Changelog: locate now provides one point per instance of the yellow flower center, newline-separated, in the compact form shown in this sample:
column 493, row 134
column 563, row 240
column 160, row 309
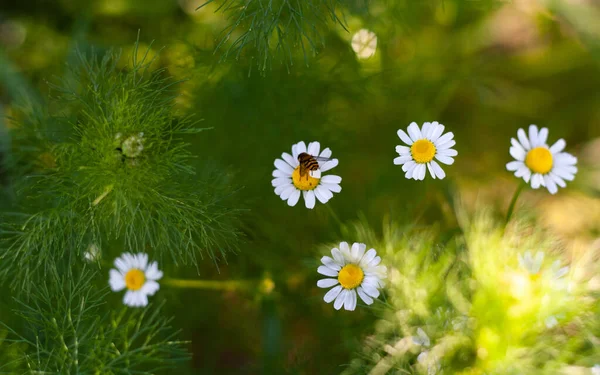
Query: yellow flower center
column 351, row 276
column 135, row 279
column 422, row 151
column 305, row 182
column 539, row 160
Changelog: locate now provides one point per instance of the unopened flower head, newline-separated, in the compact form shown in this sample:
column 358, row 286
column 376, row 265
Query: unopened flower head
column 137, row 276
column 364, row 43
column 133, row 146
column 93, row 253
column 540, row 164
column 351, row 272
column 423, row 145
column 301, row 174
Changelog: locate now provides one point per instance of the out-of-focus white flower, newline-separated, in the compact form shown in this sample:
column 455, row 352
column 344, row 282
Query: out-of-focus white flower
column 133, row 146
column 596, row 370
column 421, row 338
column 540, row 164
column 92, row 253
column 364, row 43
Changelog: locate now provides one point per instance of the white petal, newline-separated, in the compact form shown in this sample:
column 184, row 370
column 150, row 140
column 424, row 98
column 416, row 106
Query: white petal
column 152, row 272
column 518, row 153
column 331, row 179
column 315, row 174
column 402, row 150
column 537, row 262
column 523, row 139
column 281, row 188
column 558, row 146
column 410, row 173
column 446, row 145
column 565, row 159
column 300, row 147
column 543, row 136
column 550, row 184
column 283, row 166
column 329, row 262
column 536, row 180
column 314, row 148
column 285, row 194
column 431, row 171
column 533, row 136
column 337, row 256
column 444, row 138
column 321, row 194
column 150, row 287
column 361, row 293
column 281, row 181
column 369, row 255
column 414, row 131
column 123, row 265
column 344, row 247
column 341, row 298
column 116, row 280
column 422, row 170
column 278, row 173
column 326, row 271
column 448, row 152
column 330, row 164
column 402, row 159
column 371, row 290
column 445, row 159
column 408, row 165
column 404, row 137
column 332, row 294
column 294, row 197
column 293, row 162
column 375, row 261
column 327, row 283
column 426, row 129
column 325, row 153
column 332, row 187
column 354, row 251
column 437, row 131
column 514, row 165
column 309, row 198
column 350, row 303
column 439, row 172
column 559, row 181
column 361, row 251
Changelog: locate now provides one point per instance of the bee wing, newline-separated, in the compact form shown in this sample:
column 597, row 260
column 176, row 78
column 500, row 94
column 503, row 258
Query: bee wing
column 320, row 158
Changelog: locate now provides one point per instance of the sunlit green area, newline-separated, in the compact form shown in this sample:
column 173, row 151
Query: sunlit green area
column 248, row 303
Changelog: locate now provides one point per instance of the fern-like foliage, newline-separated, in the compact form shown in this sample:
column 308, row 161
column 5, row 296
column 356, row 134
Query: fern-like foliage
column 110, row 165
column 67, row 332
column 275, row 29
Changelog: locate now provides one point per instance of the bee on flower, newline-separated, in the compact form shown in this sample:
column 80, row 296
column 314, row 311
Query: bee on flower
column 301, row 174
column 137, row 276
column 539, row 164
column 351, row 272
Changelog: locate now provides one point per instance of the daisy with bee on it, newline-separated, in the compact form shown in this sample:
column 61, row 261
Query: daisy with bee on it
column 301, row 174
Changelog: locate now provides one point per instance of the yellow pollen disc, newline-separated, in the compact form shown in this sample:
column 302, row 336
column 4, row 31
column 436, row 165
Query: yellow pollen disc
column 350, row 276
column 305, row 182
column 134, row 279
column 423, row 151
column 539, row 160
column 534, row 277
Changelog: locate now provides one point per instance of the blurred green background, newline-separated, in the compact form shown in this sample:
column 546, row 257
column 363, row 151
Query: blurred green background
column 482, row 68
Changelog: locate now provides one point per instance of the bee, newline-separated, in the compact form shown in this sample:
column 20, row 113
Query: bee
column 309, row 163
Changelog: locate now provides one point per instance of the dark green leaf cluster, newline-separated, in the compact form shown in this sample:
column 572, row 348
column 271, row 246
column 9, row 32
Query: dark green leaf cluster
column 110, row 164
column 66, row 332
column 277, row 28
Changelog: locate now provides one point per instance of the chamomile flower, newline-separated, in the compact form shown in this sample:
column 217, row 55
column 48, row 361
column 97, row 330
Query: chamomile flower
column 423, row 145
column 292, row 180
column 137, row 276
column 351, row 271
column 540, row 164
column 531, row 264
column 364, row 43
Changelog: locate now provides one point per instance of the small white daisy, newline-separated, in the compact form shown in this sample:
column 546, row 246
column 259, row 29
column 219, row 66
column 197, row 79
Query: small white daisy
column 134, row 273
column 539, row 163
column 530, row 264
column 289, row 183
column 356, row 271
column 595, row 370
column 425, row 144
column 364, row 43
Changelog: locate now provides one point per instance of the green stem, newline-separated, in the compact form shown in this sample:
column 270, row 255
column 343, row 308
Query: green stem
column 513, row 202
column 210, row 284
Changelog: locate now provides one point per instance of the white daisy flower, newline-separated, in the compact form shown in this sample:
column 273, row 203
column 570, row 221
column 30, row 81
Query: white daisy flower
column 531, row 264
column 364, row 43
column 355, row 271
column 134, row 273
column 539, row 163
column 595, row 370
column 423, row 145
column 289, row 182
column 421, row 338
